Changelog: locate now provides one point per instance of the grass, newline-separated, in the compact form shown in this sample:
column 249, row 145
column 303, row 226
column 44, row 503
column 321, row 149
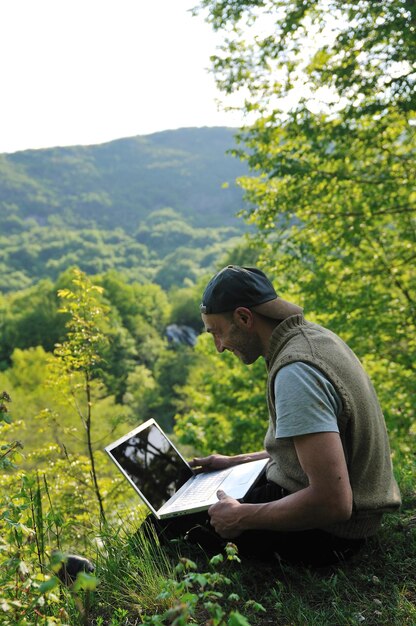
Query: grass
column 140, row 582
column 377, row 587
column 132, row 574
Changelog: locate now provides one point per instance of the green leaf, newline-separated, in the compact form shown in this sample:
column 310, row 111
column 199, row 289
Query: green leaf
column 49, row 584
column 233, row 597
column 256, row 606
column 236, row 619
column 216, row 560
column 85, row 581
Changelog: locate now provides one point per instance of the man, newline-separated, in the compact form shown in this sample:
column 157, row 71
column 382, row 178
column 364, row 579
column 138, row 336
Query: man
column 329, row 480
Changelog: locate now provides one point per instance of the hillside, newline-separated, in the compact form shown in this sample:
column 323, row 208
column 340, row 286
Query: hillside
column 153, row 206
column 117, row 184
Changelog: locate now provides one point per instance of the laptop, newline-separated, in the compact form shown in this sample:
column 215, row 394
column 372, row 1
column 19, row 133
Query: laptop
column 166, row 482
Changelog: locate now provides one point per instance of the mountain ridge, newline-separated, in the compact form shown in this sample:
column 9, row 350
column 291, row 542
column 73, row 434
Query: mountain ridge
column 165, row 203
column 184, row 169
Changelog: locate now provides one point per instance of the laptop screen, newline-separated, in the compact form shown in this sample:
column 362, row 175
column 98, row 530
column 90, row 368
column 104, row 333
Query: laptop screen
column 152, row 464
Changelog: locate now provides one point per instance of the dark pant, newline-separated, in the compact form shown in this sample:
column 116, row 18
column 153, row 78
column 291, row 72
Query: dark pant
column 313, row 547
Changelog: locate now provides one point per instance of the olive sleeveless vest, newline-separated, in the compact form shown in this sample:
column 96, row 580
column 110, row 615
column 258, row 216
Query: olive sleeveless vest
column 361, row 424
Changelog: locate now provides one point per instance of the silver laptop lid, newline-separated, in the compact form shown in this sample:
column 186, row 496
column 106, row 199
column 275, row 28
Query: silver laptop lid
column 151, row 463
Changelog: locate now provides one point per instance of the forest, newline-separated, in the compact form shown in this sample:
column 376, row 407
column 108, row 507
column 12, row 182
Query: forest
column 157, row 208
column 99, row 260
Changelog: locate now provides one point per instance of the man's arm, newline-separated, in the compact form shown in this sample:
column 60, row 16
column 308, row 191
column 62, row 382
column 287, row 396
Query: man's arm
column 221, row 461
column 327, row 499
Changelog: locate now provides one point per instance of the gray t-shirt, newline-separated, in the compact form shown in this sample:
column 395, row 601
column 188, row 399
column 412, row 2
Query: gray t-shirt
column 306, row 401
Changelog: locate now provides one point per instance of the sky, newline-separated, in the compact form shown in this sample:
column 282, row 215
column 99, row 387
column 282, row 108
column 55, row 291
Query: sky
column 82, row 72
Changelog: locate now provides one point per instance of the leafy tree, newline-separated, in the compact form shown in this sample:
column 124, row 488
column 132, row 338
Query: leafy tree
column 140, row 393
column 79, row 355
column 147, row 301
column 331, row 191
column 177, row 268
column 245, row 253
column 185, row 306
column 150, row 344
column 363, row 51
column 8, row 450
column 342, row 228
column 29, row 368
column 47, row 417
column 119, row 359
column 222, row 406
column 170, row 372
column 30, row 318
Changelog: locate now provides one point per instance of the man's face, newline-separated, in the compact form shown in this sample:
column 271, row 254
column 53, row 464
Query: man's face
column 233, row 336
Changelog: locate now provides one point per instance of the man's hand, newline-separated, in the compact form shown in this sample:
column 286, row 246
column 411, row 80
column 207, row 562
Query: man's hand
column 220, row 461
column 211, row 463
column 224, row 516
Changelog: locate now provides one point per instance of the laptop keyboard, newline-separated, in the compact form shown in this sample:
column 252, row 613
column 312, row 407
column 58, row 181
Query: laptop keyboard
column 205, row 485
column 200, row 490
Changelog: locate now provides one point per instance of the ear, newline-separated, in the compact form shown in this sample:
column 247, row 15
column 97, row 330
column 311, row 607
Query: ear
column 243, row 317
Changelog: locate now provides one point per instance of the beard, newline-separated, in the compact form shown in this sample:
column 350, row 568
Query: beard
column 246, row 346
